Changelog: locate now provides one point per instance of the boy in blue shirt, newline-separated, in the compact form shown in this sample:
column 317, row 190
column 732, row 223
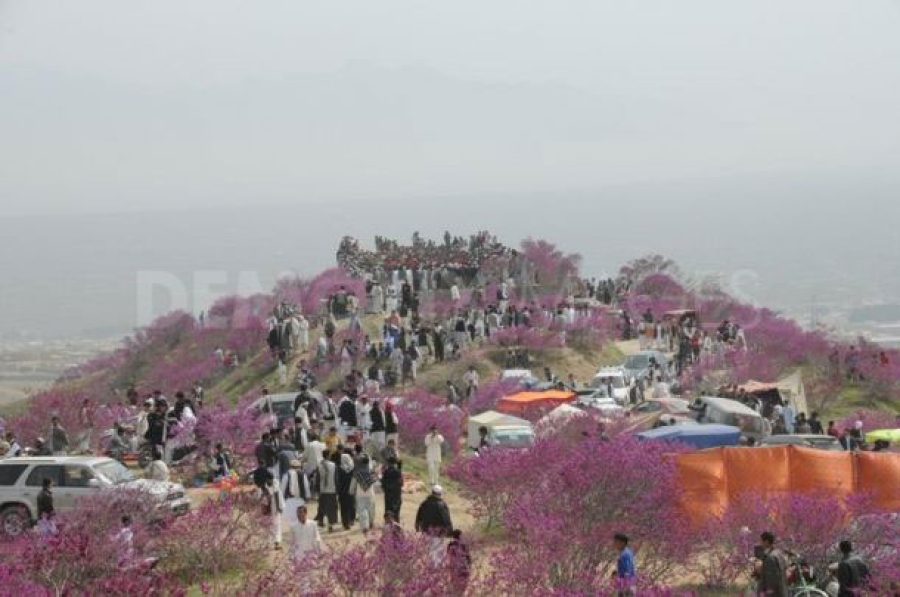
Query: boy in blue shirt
column 625, row 569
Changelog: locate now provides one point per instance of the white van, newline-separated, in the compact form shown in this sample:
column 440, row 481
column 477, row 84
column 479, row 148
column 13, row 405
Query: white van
column 503, row 430
column 612, row 379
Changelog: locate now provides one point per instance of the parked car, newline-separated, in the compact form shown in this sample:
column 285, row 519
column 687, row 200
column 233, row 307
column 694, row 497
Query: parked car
column 819, row 442
column 282, row 406
column 649, row 412
column 614, row 381
column 607, row 406
column 73, row 477
column 726, row 411
column 695, row 436
column 637, row 366
column 516, row 374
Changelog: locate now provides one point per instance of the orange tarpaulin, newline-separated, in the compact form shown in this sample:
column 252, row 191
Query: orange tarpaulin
column 515, row 404
column 711, row 479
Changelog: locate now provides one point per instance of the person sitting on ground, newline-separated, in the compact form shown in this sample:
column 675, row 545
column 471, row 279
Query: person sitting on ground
column 392, row 529
column 459, row 561
column 221, row 463
column 158, row 469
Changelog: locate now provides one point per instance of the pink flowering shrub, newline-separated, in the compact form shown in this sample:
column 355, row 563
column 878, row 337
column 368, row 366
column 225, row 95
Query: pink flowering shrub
column 35, row 422
column 648, row 265
column 661, row 286
column 384, row 565
column 237, row 427
column 531, row 338
column 438, row 309
column 224, row 534
column 880, row 370
column 589, row 332
column 545, row 496
column 492, row 479
column 311, row 294
column 810, row 525
column 418, row 410
column 489, row 394
column 14, row 580
column 238, row 313
column 871, row 419
column 171, row 374
column 87, row 556
column 551, row 266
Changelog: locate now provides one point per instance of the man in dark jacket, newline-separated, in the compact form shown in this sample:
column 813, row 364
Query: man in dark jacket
column 156, row 425
column 433, row 516
column 377, row 429
column 45, row 499
column 392, row 485
column 266, row 456
column 347, row 412
column 771, row 570
column 852, row 572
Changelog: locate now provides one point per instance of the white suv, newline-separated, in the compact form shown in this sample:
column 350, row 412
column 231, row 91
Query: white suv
column 73, row 477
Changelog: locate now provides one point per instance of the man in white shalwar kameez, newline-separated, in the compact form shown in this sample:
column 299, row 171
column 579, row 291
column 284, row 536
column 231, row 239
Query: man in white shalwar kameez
column 306, row 535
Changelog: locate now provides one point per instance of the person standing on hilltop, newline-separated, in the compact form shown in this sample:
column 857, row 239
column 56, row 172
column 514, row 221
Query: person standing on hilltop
column 471, row 380
column 59, row 439
column 392, row 485
column 362, row 486
column 391, row 424
column 86, row 421
column 437, row 340
column 343, row 480
column 15, row 448
column 434, row 443
column 346, row 411
column 378, row 425
column 454, row 294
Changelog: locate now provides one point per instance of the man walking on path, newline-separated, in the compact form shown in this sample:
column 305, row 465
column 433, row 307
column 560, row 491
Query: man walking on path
column 392, row 485
column 433, row 519
column 306, row 535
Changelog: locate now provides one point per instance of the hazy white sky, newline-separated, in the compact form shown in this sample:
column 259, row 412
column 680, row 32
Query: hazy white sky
column 111, row 105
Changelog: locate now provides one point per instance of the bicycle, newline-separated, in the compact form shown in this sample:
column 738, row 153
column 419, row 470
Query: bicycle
column 802, row 578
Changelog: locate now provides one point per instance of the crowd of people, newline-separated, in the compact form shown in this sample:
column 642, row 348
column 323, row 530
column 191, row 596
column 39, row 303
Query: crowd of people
column 782, row 573
column 425, row 263
column 340, row 448
column 336, row 454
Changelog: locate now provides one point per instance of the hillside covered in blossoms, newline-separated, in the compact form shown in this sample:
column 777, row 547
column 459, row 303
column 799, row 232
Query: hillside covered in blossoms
column 405, row 325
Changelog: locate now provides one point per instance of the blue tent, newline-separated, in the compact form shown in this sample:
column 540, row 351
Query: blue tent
column 696, row 436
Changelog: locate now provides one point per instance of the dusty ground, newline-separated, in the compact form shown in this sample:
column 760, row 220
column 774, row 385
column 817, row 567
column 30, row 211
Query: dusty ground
column 414, row 494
